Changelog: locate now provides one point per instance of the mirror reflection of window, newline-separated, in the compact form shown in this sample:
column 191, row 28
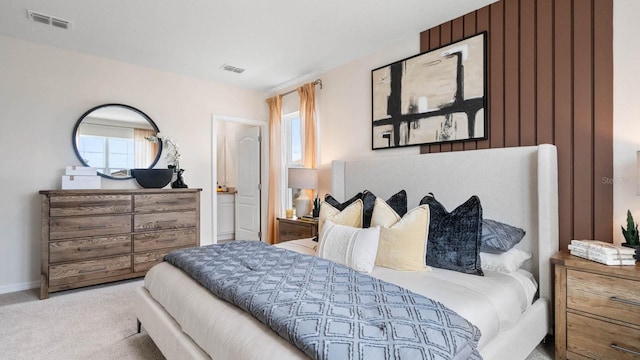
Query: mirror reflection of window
column 121, row 156
column 113, row 139
column 92, row 150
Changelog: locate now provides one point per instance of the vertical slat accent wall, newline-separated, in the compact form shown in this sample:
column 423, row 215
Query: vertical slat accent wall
column 549, row 80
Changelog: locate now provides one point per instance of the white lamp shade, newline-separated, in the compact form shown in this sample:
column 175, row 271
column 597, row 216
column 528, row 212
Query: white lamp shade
column 303, row 178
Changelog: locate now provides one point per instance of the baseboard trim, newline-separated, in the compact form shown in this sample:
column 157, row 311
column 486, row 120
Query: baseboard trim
column 5, row 289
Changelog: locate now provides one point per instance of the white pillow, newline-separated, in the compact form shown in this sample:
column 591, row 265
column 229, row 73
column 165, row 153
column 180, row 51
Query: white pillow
column 509, row 261
column 353, row 247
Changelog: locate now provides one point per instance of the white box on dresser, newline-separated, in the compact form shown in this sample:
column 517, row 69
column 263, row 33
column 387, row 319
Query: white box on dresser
column 80, row 170
column 78, row 182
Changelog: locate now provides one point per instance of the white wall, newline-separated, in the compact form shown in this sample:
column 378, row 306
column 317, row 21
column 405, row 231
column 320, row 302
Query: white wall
column 344, row 109
column 44, row 90
column 626, row 113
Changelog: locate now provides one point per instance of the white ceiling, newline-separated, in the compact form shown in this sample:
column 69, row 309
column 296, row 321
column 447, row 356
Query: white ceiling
column 276, row 41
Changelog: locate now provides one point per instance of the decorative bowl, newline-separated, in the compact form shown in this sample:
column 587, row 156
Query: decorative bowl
column 152, row 178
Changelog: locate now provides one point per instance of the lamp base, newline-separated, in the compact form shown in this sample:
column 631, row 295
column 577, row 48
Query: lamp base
column 303, row 206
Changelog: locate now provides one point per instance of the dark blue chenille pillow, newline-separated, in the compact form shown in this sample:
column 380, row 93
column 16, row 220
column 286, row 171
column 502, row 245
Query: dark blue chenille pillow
column 398, row 202
column 499, row 237
column 455, row 237
column 341, row 206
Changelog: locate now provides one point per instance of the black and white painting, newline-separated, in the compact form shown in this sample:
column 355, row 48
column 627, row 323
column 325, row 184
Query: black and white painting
column 435, row 97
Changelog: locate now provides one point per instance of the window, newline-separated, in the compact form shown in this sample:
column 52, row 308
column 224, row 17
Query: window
column 293, row 151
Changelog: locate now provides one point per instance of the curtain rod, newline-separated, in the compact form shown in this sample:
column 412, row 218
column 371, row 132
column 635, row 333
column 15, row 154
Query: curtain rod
column 317, row 82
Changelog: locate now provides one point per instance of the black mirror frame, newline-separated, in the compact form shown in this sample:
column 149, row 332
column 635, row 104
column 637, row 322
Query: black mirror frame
column 75, row 131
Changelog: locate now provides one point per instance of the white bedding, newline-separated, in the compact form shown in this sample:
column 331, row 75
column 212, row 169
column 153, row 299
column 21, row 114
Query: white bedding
column 203, row 317
column 492, row 302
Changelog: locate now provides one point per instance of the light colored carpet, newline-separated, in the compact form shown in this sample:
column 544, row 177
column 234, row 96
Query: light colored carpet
column 91, row 323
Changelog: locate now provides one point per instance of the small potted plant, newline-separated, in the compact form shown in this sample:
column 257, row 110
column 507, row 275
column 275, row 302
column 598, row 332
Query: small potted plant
column 316, row 207
column 631, row 234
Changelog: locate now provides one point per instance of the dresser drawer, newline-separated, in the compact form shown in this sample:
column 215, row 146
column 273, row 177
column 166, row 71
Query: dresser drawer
column 85, row 226
column 164, row 221
column 601, row 340
column 164, row 239
column 164, row 202
column 146, row 260
column 89, row 205
column 89, row 248
column 606, row 296
column 88, row 270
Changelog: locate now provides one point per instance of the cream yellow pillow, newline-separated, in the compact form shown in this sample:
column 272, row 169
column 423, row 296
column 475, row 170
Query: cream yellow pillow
column 350, row 216
column 403, row 241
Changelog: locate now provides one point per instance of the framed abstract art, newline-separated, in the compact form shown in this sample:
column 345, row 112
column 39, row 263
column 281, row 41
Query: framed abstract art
column 438, row 96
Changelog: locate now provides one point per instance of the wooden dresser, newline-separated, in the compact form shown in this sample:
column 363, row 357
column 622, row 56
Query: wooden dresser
column 597, row 309
column 96, row 236
column 293, row 229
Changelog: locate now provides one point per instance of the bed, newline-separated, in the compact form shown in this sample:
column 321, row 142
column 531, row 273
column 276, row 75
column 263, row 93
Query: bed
column 516, row 185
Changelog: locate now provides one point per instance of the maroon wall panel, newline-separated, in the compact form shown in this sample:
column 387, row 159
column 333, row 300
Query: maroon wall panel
column 602, row 124
column 549, row 80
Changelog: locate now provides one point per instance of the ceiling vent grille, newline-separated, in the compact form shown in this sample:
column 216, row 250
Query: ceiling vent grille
column 234, row 69
column 48, row 20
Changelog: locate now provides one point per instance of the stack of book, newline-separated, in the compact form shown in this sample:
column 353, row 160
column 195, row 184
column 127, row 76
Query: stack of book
column 81, row 177
column 308, row 218
column 602, row 252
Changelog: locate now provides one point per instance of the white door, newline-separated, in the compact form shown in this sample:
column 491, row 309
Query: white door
column 248, row 196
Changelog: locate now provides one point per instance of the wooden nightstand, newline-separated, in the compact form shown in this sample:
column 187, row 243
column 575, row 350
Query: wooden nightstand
column 293, row 229
column 597, row 309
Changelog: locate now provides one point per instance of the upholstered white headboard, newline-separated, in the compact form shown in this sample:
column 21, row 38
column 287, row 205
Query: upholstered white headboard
column 517, row 186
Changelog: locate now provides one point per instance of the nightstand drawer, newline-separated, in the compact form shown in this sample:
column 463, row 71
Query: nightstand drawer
column 601, row 340
column 293, row 229
column 606, row 296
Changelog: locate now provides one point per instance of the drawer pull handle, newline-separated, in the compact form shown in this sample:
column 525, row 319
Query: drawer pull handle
column 103, row 247
column 624, row 301
column 625, row 349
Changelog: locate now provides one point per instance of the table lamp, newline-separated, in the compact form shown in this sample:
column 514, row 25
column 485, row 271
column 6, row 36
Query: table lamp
column 303, row 179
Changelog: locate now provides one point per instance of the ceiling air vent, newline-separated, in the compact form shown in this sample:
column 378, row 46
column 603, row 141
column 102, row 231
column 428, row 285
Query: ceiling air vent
column 48, row 20
column 234, row 69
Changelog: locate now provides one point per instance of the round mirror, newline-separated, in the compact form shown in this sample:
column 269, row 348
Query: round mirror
column 113, row 139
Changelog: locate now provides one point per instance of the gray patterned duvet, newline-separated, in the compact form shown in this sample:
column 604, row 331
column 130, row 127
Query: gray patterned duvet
column 327, row 310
